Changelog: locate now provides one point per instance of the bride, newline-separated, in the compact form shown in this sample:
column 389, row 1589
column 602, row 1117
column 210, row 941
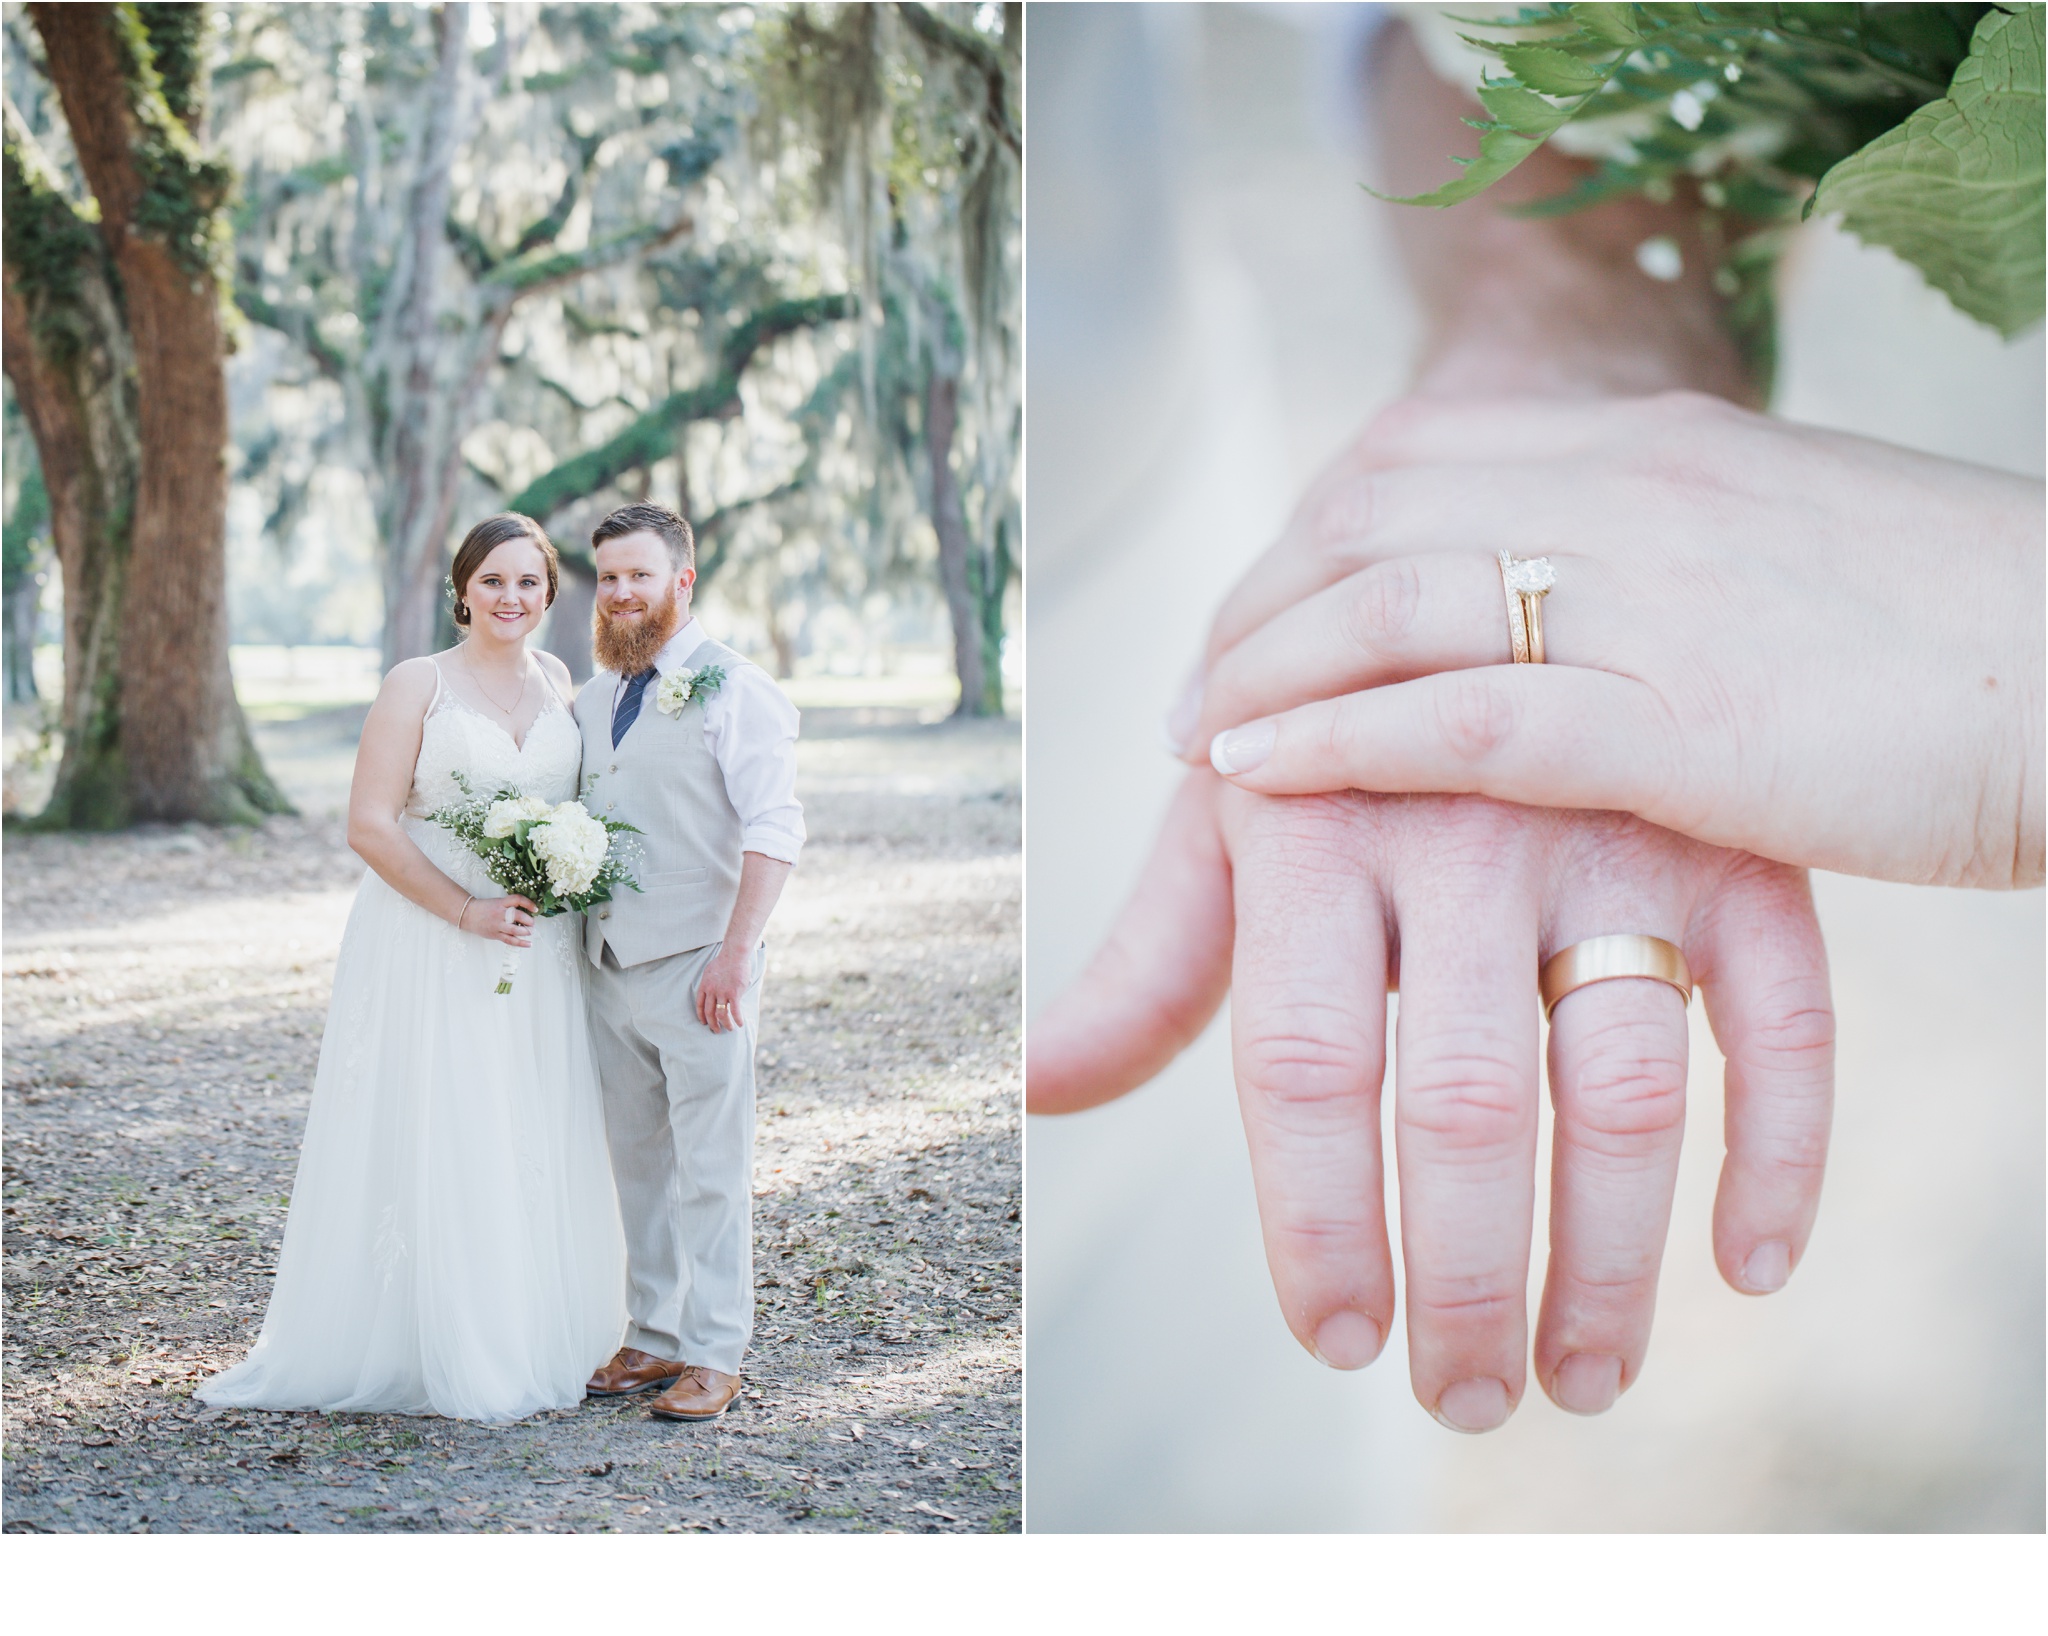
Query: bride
column 453, row 1245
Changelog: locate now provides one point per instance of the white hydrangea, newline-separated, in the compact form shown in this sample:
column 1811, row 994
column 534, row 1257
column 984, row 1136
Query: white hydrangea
column 506, row 816
column 572, row 844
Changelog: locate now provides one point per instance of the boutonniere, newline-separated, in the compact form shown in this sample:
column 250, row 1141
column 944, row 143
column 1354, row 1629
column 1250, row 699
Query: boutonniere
column 678, row 689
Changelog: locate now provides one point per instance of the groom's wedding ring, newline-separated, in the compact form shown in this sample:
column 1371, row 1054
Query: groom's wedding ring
column 1525, row 581
column 1623, row 954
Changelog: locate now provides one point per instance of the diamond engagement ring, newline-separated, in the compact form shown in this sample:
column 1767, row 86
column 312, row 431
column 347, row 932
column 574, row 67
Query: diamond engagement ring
column 1525, row 581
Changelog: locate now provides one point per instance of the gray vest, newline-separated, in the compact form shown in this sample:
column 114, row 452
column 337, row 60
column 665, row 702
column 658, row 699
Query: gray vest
column 664, row 780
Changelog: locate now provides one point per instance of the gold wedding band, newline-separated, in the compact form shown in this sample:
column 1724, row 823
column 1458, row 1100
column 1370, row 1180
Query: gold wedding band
column 1526, row 581
column 1622, row 954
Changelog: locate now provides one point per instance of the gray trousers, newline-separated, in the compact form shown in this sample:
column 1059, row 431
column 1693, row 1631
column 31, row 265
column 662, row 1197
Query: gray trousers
column 679, row 1115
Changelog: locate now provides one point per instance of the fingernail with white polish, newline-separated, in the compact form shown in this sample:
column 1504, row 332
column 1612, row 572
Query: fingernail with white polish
column 1767, row 1268
column 1242, row 749
column 1181, row 719
column 1473, row 1405
column 1347, row 1340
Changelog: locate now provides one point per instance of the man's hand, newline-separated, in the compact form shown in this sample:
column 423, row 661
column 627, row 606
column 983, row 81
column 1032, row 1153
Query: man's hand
column 720, row 988
column 725, row 975
column 1321, row 904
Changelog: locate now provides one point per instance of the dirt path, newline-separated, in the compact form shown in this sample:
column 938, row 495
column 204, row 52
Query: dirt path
column 165, row 993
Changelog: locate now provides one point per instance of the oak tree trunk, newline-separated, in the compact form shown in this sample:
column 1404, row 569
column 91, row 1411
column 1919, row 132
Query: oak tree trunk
column 942, row 401
column 70, row 361
column 419, row 444
column 184, row 748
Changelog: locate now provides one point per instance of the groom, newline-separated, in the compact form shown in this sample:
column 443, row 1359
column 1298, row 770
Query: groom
column 694, row 746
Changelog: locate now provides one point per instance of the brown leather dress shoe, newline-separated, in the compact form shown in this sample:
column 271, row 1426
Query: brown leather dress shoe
column 698, row 1394
column 632, row 1371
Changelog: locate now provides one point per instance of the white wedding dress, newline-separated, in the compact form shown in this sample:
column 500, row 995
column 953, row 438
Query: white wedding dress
column 453, row 1245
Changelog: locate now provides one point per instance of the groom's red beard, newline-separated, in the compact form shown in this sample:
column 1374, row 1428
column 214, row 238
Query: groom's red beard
column 628, row 648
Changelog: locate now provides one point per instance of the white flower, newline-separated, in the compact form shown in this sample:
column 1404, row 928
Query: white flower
column 674, row 691
column 505, row 816
column 572, row 844
column 680, row 688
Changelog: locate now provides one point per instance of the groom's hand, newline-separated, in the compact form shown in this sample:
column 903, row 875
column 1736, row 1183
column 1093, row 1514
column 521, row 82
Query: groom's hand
column 720, row 988
column 1321, row 903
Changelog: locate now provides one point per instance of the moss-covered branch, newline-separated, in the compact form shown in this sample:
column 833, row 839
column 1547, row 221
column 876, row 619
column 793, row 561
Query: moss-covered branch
column 652, row 436
column 49, row 240
column 184, row 190
column 979, row 55
column 705, row 530
column 294, row 322
column 541, row 269
column 177, row 48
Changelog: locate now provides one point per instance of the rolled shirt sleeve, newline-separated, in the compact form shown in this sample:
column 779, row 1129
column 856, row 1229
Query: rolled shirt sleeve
column 750, row 727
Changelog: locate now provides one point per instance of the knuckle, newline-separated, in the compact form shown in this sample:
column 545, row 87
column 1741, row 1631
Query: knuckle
column 1792, row 1032
column 1381, row 607
column 1628, row 1081
column 1339, row 521
column 1793, row 1154
column 1315, row 835
column 1305, row 1057
column 1475, row 716
column 1470, row 1099
column 1482, row 1300
column 1331, row 1238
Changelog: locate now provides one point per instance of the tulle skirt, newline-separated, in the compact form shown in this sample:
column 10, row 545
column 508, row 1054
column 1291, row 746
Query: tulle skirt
column 453, row 1245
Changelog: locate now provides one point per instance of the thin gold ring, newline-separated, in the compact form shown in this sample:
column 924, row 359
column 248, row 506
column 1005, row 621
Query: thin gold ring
column 1621, row 954
column 1518, row 622
column 1526, row 581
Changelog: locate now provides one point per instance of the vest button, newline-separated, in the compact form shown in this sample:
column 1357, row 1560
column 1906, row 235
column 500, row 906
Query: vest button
column 604, row 914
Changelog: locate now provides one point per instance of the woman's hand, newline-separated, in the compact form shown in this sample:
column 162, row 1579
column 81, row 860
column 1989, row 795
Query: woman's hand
column 1810, row 646
column 1308, row 909
column 508, row 919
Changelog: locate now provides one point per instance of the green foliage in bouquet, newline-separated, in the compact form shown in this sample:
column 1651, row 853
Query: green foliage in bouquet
column 563, row 857
column 1921, row 125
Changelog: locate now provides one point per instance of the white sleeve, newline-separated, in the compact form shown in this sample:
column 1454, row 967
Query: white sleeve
column 750, row 728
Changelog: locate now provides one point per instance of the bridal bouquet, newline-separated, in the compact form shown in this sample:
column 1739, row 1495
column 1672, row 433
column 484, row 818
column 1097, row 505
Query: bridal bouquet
column 557, row 854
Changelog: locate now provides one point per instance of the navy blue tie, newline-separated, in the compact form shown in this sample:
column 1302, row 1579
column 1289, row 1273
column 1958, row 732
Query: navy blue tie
column 627, row 710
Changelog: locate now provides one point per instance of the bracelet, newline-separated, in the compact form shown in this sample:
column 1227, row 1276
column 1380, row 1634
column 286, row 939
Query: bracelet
column 467, row 899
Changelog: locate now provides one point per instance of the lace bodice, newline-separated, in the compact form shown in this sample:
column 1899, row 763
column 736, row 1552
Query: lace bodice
column 458, row 738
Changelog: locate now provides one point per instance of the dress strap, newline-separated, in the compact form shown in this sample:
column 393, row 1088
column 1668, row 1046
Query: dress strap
column 440, row 686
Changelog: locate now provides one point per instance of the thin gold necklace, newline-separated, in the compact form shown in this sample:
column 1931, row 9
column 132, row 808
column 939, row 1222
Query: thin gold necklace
column 525, row 675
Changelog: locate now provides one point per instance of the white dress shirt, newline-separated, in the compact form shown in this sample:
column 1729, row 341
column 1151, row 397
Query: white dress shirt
column 750, row 730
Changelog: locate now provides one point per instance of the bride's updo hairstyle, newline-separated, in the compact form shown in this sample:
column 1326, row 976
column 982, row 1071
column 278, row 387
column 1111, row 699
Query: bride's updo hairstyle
column 485, row 538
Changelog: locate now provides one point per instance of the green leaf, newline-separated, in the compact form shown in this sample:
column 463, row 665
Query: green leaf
column 1521, row 110
column 1613, row 24
column 1553, row 72
column 1957, row 188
